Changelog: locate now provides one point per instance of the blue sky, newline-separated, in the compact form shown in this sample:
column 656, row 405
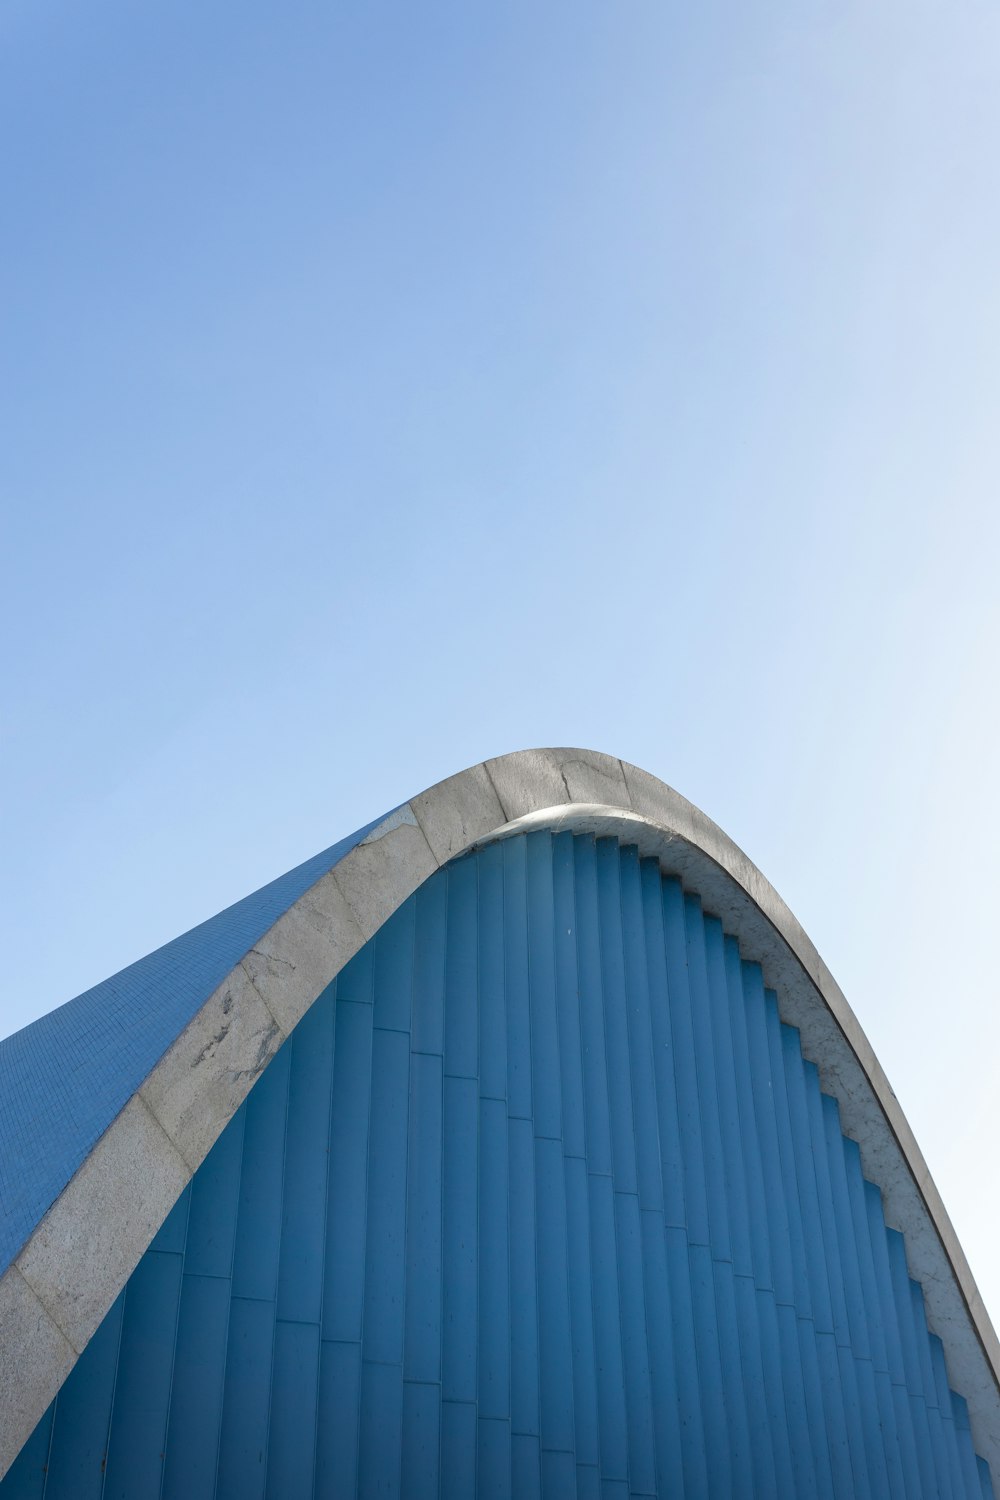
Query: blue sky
column 385, row 387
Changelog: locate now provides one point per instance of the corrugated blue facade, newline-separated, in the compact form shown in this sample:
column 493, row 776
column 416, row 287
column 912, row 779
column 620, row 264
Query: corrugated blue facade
column 540, row 1198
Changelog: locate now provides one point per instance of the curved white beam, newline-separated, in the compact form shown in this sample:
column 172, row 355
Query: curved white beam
column 66, row 1276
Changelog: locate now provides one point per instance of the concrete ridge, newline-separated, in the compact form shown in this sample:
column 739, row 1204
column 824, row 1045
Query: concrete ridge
column 79, row 1256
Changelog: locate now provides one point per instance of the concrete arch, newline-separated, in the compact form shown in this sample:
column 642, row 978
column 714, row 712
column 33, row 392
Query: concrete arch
column 79, row 1256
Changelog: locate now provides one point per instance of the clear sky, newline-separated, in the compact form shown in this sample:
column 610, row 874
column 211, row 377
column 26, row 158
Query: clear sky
column 387, row 386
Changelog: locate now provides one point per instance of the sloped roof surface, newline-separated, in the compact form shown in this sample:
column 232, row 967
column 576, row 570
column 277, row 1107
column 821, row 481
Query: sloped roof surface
column 64, row 1078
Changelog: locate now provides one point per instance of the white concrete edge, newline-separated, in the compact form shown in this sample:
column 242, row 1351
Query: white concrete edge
column 74, row 1264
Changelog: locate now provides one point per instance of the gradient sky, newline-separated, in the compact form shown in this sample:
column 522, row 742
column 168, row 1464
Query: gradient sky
column 387, row 386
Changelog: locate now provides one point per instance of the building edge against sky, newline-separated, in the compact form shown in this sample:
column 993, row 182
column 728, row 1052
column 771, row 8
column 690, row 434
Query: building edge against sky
column 95, row 1155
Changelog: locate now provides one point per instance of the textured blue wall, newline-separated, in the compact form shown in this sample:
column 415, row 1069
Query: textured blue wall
column 540, row 1198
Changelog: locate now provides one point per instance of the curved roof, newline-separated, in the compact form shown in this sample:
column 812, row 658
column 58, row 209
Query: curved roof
column 110, row 1103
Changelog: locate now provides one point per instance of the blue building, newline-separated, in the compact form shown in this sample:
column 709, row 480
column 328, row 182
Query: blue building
column 519, row 1145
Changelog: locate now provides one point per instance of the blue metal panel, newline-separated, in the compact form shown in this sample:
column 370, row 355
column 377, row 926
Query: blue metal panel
column 525, row 1467
column 346, row 1220
column 705, row 1031
column 192, row 1452
column 799, row 1437
column 890, row 1437
column 802, row 1385
column 695, row 1422
column 963, row 1438
column 765, row 1131
column 461, row 1013
column 493, row 1459
column 839, row 1364
column 876, row 1236
column 307, row 1135
column 734, row 1389
column 515, row 912
column 392, row 970
column 523, row 1296
column 381, row 1437
column 756, row 1307
column 258, row 1223
column 215, row 1195
column 717, row 1003
column 713, row 1400
column 420, row 1463
column 460, row 1262
column 856, row 1433
column 613, row 1422
column 663, row 1373
column 911, row 1362
column 755, row 1391
column 841, row 1220
column 662, row 1042
column 494, row 1286
column 385, row 1271
column 422, row 1319
column 713, row 1164
column 568, row 997
column 78, row 1453
column 678, row 1004
column 947, row 1415
column 492, row 1011
column 635, row 1355
column 142, row 1380
column 588, row 1483
column 545, row 1091
column 881, row 1465
column 623, row 1142
column 458, row 1447
column 339, row 1420
column 555, row 1343
column 774, row 1383
column 812, row 1389
column 640, row 1039
column 816, row 1343
column 801, row 1299
column 246, row 1400
column 753, row 1171
column 934, row 1416
column 539, row 1199
column 429, row 946
column 356, row 980
column 595, row 1068
column 291, row 1443
column 804, row 1178
column 791, row 1443
column 578, row 1271
column 558, row 1475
